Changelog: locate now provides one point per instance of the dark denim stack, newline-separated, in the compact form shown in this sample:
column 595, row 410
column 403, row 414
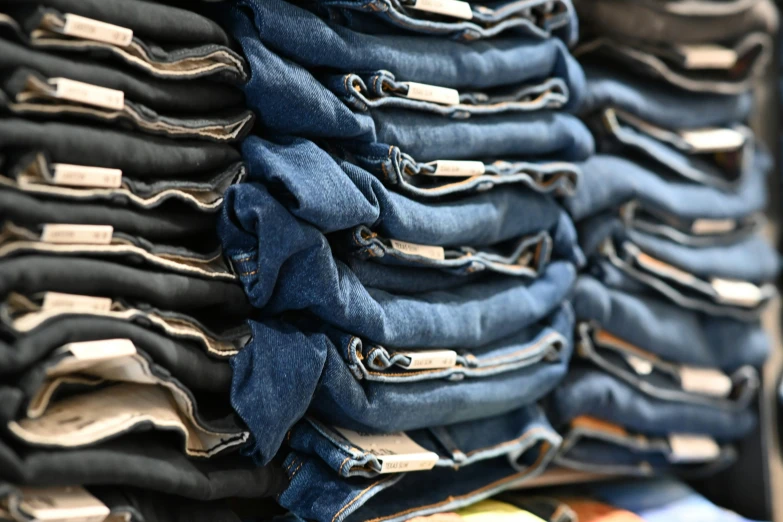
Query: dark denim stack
column 118, row 313
column 402, row 236
column 669, row 214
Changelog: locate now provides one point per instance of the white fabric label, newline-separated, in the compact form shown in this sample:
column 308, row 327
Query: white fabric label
column 75, row 303
column 708, row 56
column 739, row 293
column 77, row 234
column 430, row 252
column 692, row 448
column 453, row 8
column 432, row 93
column 457, row 169
column 87, row 94
column 87, row 354
column 69, row 504
column 713, row 226
column 714, row 140
column 705, row 381
column 665, row 269
column 639, row 365
column 89, row 29
column 396, row 452
column 431, row 359
column 82, row 176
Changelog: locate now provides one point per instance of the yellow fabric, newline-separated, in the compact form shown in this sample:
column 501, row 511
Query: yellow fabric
column 496, row 511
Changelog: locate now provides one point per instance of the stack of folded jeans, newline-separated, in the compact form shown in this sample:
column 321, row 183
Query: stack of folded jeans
column 117, row 311
column 402, row 237
column 669, row 215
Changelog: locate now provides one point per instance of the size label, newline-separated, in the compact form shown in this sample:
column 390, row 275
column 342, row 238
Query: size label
column 430, row 252
column 702, row 227
column 739, row 293
column 87, row 354
column 713, row 140
column 431, row 359
column 77, row 234
column 432, row 93
column 692, row 448
column 89, row 29
column 87, row 94
column 396, row 452
column 457, row 169
column 82, row 176
column 71, row 504
column 705, row 381
column 452, row 8
column 75, row 303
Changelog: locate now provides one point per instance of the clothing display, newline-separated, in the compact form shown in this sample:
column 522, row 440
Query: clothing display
column 379, row 260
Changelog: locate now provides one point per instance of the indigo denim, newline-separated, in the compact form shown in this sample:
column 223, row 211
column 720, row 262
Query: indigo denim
column 380, row 395
column 292, row 268
column 316, row 492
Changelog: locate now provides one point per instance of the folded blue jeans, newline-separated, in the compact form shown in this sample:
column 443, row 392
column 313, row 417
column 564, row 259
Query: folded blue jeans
column 344, row 380
column 316, row 492
column 288, row 265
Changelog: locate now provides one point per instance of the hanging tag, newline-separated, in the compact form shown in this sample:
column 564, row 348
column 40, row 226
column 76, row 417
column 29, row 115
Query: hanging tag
column 430, row 252
column 396, row 452
column 457, row 169
column 69, row 504
column 692, row 448
column 707, row 56
column 82, row 176
column 713, row 140
column 703, row 227
column 431, row 359
column 89, row 29
column 432, row 93
column 75, row 303
column 87, row 94
column 740, row 293
column 77, row 234
column 453, row 8
column 705, row 381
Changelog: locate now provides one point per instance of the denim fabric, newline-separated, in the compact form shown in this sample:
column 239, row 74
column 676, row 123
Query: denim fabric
column 527, row 17
column 547, row 508
column 752, row 259
column 146, row 462
column 34, row 174
column 45, row 28
column 316, row 493
column 29, row 94
column 597, row 447
column 608, row 182
column 34, row 274
column 483, row 219
column 673, row 333
column 293, row 268
column 191, row 97
column 136, row 155
column 659, row 104
column 596, row 394
column 663, row 500
column 663, row 61
column 377, row 397
column 649, row 21
column 32, row 331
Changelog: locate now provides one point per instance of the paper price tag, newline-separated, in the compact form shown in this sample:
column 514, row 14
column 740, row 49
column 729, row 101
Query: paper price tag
column 430, row 252
column 705, row 381
column 692, row 448
column 740, row 293
column 396, row 452
column 432, row 93
column 457, row 169
column 89, row 29
column 69, row 504
column 452, row 8
column 75, row 303
column 77, row 234
column 714, row 140
column 431, row 359
column 87, row 94
column 82, row 176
